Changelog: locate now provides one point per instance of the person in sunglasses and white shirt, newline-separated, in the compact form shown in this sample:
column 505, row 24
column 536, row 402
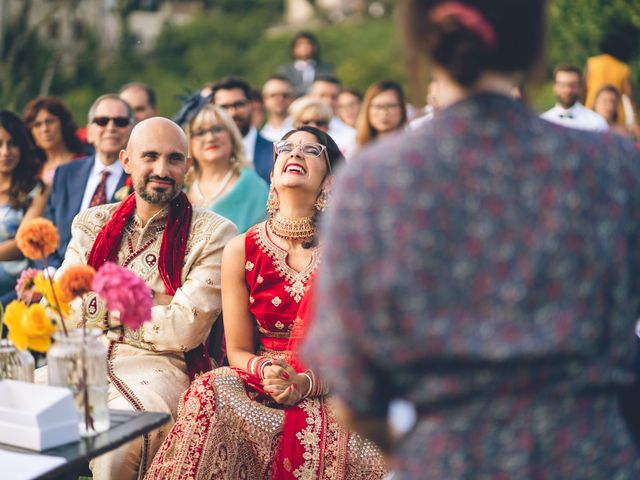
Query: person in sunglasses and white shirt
column 93, row 180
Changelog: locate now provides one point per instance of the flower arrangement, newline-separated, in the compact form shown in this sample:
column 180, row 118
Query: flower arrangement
column 44, row 304
column 124, row 191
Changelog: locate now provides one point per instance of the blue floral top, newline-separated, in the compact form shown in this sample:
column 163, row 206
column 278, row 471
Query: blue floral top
column 485, row 267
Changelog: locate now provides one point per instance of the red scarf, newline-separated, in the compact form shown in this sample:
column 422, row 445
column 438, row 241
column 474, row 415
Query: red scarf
column 172, row 250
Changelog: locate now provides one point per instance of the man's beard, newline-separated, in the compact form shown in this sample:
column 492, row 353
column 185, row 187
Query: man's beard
column 567, row 102
column 154, row 197
column 243, row 124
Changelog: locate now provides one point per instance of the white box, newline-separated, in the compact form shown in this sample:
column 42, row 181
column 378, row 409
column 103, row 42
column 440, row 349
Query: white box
column 36, row 417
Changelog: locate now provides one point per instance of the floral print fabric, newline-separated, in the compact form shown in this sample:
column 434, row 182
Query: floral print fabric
column 485, row 267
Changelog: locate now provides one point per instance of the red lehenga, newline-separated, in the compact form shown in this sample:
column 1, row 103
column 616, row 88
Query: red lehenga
column 228, row 428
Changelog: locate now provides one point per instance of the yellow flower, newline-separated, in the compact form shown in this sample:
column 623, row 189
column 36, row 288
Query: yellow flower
column 29, row 327
column 13, row 320
column 43, row 285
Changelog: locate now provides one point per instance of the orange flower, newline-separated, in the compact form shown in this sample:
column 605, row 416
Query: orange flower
column 76, row 281
column 37, row 238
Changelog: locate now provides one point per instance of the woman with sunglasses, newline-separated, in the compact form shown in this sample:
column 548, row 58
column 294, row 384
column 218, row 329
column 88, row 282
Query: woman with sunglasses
column 22, row 194
column 383, row 112
column 263, row 417
column 222, row 180
column 53, row 131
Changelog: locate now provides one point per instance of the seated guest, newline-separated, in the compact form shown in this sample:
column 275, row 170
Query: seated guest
column 222, row 180
column 306, row 66
column 606, row 103
column 53, row 131
column 309, row 111
column 234, row 96
column 568, row 111
column 383, row 112
column 278, row 95
column 22, row 195
column 263, row 417
column 151, row 231
column 92, row 180
column 142, row 99
column 327, row 88
column 348, row 106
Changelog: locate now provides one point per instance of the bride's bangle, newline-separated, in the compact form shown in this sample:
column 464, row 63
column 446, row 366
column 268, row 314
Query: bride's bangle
column 310, row 384
column 262, row 364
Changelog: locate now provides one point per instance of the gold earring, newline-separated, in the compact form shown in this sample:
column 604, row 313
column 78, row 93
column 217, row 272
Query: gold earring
column 273, row 202
column 322, row 201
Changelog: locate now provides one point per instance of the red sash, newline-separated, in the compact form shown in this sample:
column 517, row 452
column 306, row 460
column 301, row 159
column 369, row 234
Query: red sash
column 172, row 250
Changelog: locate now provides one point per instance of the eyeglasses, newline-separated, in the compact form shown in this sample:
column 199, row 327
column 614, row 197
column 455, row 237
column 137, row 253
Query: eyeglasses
column 118, row 121
column 235, row 105
column 388, row 107
column 308, row 149
column 316, row 123
column 46, row 122
column 201, row 132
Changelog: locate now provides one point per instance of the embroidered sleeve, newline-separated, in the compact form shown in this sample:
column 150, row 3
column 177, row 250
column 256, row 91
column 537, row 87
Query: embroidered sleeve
column 186, row 322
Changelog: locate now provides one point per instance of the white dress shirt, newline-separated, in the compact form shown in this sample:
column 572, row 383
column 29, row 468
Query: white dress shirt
column 115, row 172
column 274, row 134
column 577, row 116
column 343, row 135
column 249, row 142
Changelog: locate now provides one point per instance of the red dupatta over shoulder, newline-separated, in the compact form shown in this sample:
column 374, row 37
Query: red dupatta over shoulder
column 172, row 250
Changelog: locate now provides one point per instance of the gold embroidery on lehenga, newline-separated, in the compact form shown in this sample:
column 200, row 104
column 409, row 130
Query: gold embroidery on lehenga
column 296, row 280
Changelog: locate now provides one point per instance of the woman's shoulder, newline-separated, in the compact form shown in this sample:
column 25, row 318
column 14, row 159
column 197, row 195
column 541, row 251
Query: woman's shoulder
column 250, row 176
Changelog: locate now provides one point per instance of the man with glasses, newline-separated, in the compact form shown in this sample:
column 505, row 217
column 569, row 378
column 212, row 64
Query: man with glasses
column 92, row 180
column 277, row 94
column 234, row 95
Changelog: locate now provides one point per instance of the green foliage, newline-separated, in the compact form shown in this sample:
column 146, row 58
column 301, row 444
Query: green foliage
column 246, row 38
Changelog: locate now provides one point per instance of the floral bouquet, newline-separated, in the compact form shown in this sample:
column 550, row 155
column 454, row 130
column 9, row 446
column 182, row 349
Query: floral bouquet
column 44, row 306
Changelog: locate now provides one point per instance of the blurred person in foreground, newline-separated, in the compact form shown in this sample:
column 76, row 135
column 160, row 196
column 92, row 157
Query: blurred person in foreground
column 485, row 268
column 383, row 112
column 53, row 131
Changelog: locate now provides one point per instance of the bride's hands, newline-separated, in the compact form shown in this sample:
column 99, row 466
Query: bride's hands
column 283, row 383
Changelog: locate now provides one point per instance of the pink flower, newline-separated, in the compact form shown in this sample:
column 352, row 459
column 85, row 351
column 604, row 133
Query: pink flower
column 125, row 292
column 25, row 286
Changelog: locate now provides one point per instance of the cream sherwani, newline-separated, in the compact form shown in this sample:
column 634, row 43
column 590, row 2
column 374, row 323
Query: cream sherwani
column 146, row 368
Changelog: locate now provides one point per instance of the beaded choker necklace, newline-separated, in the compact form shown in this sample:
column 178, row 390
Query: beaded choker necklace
column 292, row 228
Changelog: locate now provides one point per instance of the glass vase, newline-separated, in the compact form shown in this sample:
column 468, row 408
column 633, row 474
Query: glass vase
column 79, row 362
column 15, row 364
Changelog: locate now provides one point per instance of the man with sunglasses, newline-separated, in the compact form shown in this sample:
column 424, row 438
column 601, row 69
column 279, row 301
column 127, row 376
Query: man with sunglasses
column 234, row 95
column 92, row 180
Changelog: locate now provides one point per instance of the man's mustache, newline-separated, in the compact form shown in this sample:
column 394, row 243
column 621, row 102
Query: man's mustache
column 161, row 179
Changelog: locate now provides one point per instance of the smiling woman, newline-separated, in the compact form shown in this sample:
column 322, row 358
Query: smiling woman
column 22, row 195
column 274, row 421
column 222, row 180
column 53, row 131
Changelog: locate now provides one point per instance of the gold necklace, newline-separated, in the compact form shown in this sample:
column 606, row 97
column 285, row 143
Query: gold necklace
column 292, row 228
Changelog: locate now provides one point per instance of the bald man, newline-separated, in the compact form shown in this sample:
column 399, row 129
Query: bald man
column 150, row 232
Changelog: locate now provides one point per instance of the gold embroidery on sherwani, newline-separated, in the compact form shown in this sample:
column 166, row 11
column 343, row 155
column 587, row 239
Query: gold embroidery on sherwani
column 296, row 280
column 146, row 367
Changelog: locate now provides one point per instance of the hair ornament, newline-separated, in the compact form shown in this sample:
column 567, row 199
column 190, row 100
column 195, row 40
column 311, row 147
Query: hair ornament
column 468, row 16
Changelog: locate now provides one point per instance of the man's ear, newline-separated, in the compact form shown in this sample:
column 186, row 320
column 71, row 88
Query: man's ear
column 188, row 162
column 125, row 161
